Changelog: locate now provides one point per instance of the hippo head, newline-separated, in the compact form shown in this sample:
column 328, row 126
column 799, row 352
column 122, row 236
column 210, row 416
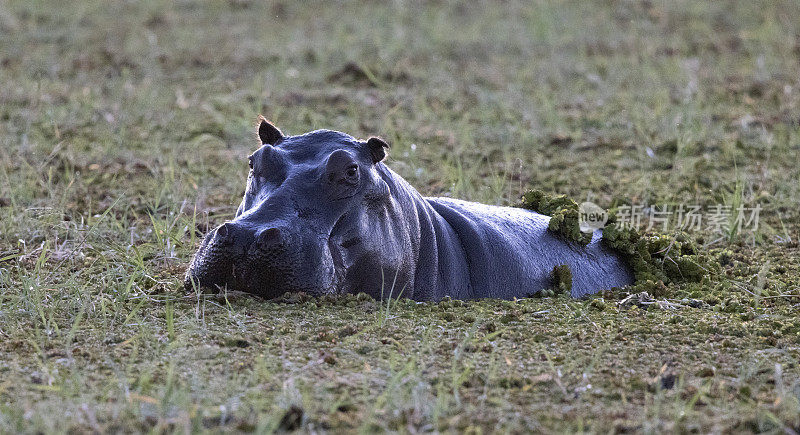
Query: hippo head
column 303, row 207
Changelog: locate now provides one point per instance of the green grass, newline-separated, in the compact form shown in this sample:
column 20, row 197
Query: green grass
column 124, row 128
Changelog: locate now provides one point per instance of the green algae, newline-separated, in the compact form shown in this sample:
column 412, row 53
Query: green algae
column 561, row 283
column 562, row 279
column 563, row 212
column 655, row 259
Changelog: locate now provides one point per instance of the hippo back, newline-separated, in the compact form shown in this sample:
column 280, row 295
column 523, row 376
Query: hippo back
column 510, row 252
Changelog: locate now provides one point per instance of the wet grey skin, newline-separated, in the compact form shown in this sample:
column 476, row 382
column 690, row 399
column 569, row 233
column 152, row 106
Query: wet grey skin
column 323, row 214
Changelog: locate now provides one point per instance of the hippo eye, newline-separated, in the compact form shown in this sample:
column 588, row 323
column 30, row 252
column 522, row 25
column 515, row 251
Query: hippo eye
column 352, row 171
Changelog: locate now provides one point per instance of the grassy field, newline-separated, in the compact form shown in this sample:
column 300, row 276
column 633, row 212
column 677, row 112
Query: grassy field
column 124, row 131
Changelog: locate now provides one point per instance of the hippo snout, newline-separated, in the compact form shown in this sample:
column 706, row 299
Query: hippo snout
column 266, row 261
column 213, row 265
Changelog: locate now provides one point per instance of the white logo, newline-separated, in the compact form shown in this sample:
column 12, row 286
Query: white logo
column 591, row 217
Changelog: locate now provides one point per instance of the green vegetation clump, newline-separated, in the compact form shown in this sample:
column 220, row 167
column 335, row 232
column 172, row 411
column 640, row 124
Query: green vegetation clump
column 561, row 278
column 658, row 258
column 563, row 212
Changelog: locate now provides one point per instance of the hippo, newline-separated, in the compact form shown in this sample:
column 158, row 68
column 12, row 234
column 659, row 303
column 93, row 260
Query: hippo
column 323, row 214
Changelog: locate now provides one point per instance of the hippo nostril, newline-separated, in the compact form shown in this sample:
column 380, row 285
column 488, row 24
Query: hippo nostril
column 269, row 237
column 225, row 232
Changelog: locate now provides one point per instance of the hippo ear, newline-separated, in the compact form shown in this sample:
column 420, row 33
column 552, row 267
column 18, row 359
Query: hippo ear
column 268, row 133
column 377, row 148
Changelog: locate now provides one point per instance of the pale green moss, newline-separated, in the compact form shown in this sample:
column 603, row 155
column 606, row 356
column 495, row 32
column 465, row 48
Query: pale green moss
column 563, row 212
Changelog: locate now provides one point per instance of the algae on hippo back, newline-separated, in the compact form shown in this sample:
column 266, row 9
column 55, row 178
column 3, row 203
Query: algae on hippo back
column 323, row 214
column 655, row 259
column 563, row 212
column 562, row 282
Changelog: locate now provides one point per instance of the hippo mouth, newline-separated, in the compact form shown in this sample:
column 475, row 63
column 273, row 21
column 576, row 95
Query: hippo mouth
column 269, row 264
